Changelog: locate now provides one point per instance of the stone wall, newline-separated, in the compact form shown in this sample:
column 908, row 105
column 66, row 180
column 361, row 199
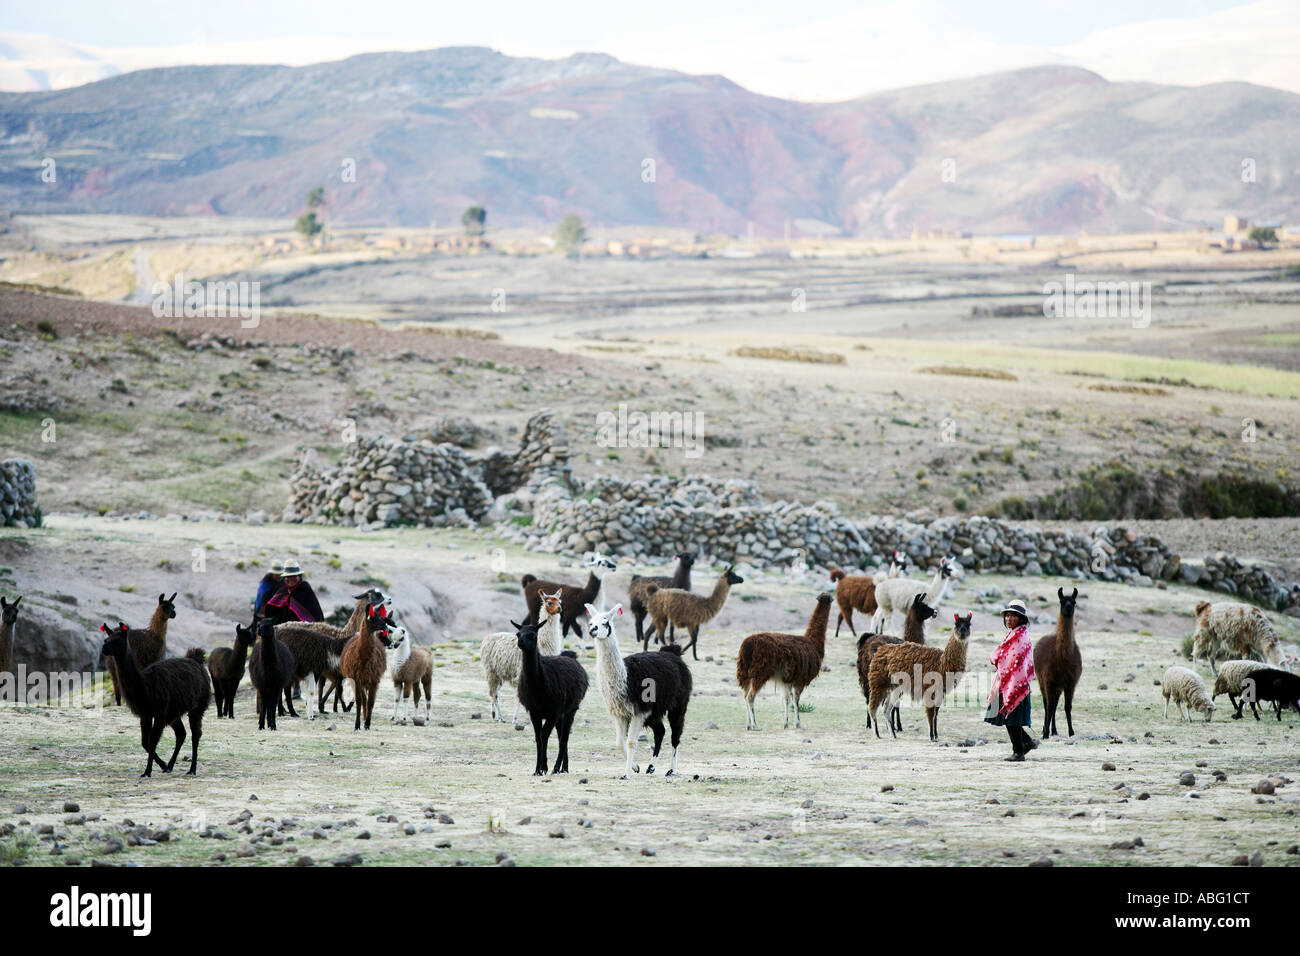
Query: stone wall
column 18, row 494
column 384, row 481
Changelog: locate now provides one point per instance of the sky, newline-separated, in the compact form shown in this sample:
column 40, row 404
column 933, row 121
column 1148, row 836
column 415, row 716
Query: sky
column 826, row 50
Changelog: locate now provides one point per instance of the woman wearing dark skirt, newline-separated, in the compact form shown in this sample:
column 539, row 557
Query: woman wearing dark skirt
column 1012, row 680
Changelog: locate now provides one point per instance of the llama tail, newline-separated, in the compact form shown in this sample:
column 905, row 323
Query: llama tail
column 672, row 649
column 836, row 574
column 866, row 636
column 744, row 661
column 527, row 579
column 197, row 654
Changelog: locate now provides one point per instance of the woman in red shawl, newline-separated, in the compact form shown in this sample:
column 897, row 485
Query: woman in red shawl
column 294, row 600
column 1009, row 700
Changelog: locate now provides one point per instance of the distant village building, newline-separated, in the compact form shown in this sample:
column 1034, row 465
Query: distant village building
column 1235, row 224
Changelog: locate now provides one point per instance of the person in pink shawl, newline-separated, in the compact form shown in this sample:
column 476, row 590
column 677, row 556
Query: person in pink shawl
column 1013, row 680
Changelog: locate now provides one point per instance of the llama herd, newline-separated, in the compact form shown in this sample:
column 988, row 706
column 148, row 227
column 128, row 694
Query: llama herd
column 646, row 689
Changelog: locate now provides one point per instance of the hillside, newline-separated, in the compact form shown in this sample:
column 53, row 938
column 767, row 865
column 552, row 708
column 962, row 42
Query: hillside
column 1050, row 149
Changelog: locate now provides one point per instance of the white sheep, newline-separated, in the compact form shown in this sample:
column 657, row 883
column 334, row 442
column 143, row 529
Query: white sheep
column 1231, row 681
column 1232, row 629
column 502, row 657
column 1186, row 687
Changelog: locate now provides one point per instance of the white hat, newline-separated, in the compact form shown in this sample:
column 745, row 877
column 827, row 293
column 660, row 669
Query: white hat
column 1018, row 607
column 277, row 567
column 291, row 569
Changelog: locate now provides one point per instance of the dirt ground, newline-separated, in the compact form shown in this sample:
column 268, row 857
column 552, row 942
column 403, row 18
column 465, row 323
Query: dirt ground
column 831, row 793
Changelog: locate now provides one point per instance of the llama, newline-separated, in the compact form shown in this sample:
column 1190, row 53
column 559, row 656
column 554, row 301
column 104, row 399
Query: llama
column 364, row 662
column 897, row 594
column 913, row 633
column 789, row 661
column 271, row 671
column 148, row 645
column 574, row 599
column 8, row 618
column 1059, row 665
column 317, row 657
column 226, row 665
column 161, row 695
column 501, row 657
column 857, row 592
column 637, row 593
column 332, row 648
column 925, row 672
column 1276, row 685
column 1236, row 630
column 640, row 689
column 1186, row 687
column 551, row 688
column 412, row 670
column 684, row 609
column 1232, row 680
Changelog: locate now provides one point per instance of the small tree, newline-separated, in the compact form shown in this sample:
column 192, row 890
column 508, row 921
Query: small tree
column 308, row 224
column 316, row 198
column 570, row 233
column 1264, row 236
column 474, row 219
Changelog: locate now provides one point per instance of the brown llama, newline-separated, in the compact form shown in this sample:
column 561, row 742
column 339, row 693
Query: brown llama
column 857, row 592
column 364, row 662
column 869, row 644
column 573, row 598
column 637, row 592
column 318, row 657
column 790, row 661
column 924, row 672
column 8, row 618
column 1058, row 664
column 684, row 609
column 148, row 646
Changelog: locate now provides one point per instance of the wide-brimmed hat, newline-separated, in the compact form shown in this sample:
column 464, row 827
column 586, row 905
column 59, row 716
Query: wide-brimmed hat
column 1018, row 607
column 277, row 567
column 291, row 569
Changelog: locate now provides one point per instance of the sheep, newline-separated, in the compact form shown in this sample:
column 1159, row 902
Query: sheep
column 1230, row 680
column 925, row 672
column 1235, row 629
column 897, row 594
column 574, row 598
column 684, row 609
column 161, row 695
column 363, row 662
column 640, row 689
column 271, row 671
column 551, row 688
column 1059, row 665
column 789, row 661
column 913, row 633
column 226, row 665
column 501, row 658
column 411, row 669
column 637, row 593
column 1276, row 685
column 148, row 645
column 8, row 618
column 857, row 592
column 1185, row 687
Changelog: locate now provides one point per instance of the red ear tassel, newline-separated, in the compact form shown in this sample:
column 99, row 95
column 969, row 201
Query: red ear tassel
column 104, row 628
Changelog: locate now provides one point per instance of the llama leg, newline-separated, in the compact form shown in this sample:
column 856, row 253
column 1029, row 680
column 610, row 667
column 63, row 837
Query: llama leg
column 514, row 721
column 695, row 634
column 677, row 722
column 785, row 707
column 406, row 702
column 932, row 718
column 543, row 740
column 798, row 692
column 629, row 746
column 751, row 719
column 1166, row 713
column 892, row 707
column 155, row 731
column 1047, row 715
column 397, row 699
column 563, row 726
column 179, row 729
column 312, row 689
column 658, row 727
column 620, row 732
column 1235, row 706
column 196, row 731
column 494, row 697
column 1069, row 706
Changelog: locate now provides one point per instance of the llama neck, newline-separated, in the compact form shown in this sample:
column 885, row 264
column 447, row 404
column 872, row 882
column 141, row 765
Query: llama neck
column 816, row 633
column 366, row 649
column 356, row 617
column 549, row 639
column 591, row 593
column 913, row 629
column 6, row 645
column 133, row 688
column 1065, row 633
column 682, row 576
column 402, row 654
column 609, row 661
column 531, row 667
column 936, row 588
column 240, row 655
column 268, row 652
column 158, row 623
column 953, row 659
column 719, row 595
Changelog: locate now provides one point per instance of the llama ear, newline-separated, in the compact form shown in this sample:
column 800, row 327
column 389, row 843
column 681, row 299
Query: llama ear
column 161, row 598
column 122, row 627
column 618, row 610
column 1060, row 593
column 591, row 611
column 517, row 624
column 172, row 598
column 104, row 628
column 1075, row 594
column 956, row 617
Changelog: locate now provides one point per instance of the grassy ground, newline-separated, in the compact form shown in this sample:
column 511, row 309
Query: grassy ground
column 831, row 793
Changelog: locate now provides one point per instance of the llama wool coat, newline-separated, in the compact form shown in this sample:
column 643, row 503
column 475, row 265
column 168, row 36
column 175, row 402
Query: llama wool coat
column 1014, row 661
